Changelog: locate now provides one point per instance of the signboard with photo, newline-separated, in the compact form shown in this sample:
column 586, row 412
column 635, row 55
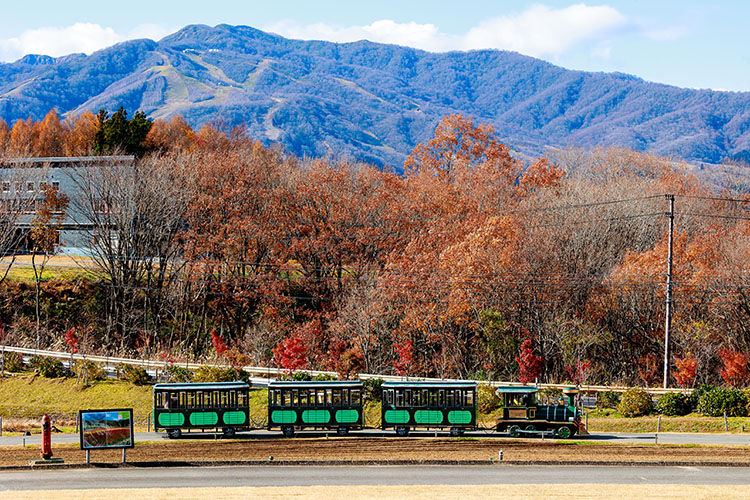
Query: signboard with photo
column 102, row 429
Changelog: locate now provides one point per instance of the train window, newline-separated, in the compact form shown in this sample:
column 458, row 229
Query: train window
column 441, row 397
column 159, row 400
column 432, row 395
column 295, row 397
column 449, row 399
column 355, row 397
column 399, row 397
column 223, row 399
column 241, row 399
column 388, row 396
column 320, row 397
column 337, row 397
column 286, row 398
column 408, row 397
column 469, row 398
column 303, row 397
column 345, row 397
column 329, row 396
column 190, row 400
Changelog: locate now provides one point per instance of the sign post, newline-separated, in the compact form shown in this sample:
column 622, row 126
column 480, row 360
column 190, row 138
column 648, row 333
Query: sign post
column 106, row 429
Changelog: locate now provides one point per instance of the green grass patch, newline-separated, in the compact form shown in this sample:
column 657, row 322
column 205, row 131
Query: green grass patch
column 30, row 396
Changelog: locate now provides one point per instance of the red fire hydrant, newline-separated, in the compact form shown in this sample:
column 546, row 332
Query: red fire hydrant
column 46, row 437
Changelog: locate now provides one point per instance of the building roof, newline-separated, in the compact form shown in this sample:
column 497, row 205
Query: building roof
column 53, row 161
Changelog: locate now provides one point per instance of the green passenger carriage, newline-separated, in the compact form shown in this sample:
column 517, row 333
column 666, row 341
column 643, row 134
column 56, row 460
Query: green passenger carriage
column 432, row 405
column 192, row 406
column 320, row 405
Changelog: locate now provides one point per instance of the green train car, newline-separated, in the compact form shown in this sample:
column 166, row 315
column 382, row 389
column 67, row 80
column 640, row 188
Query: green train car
column 319, row 405
column 432, row 405
column 201, row 406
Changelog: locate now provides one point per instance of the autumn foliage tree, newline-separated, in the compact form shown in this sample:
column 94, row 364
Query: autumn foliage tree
column 529, row 366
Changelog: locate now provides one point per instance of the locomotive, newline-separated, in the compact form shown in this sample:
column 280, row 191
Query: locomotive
column 523, row 415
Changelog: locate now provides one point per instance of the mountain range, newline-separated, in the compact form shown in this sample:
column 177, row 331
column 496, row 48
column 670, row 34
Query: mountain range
column 375, row 102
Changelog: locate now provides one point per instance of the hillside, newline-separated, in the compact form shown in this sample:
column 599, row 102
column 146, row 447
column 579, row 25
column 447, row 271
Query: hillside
column 374, row 101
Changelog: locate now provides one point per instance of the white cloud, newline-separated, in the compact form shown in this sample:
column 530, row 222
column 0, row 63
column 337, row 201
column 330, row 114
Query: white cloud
column 537, row 31
column 542, row 31
column 79, row 37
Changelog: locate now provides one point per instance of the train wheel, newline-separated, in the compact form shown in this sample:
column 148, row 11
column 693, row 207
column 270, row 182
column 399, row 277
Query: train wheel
column 288, row 431
column 563, row 432
column 514, row 431
column 342, row 431
column 455, row 431
column 530, row 427
column 228, row 432
column 174, row 433
column 402, row 431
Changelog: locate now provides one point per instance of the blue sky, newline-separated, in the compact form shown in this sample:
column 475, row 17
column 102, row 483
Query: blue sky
column 688, row 43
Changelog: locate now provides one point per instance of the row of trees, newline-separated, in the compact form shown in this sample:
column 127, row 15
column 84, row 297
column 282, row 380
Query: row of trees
column 103, row 133
column 471, row 264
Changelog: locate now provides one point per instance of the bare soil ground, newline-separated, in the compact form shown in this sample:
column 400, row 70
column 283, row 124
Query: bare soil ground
column 444, row 492
column 383, row 449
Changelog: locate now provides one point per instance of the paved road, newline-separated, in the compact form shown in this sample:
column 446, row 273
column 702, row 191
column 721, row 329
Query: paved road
column 664, row 438
column 308, row 476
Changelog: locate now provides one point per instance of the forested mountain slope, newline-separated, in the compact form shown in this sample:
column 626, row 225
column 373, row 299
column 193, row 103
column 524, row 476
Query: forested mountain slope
column 372, row 101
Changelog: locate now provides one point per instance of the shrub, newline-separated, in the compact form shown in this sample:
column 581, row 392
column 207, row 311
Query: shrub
column 695, row 396
column 13, row 362
column 178, row 374
column 674, row 404
column 715, row 402
column 487, row 400
column 136, row 375
column 635, row 403
column 47, row 367
column 607, row 399
column 220, row 374
column 373, row 389
column 324, row 378
column 301, row 376
column 88, row 371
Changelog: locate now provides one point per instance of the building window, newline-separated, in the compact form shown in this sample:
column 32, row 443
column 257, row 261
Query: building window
column 6, row 187
column 56, row 185
column 30, row 187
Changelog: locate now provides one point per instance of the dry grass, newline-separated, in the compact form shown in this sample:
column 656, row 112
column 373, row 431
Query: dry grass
column 440, row 492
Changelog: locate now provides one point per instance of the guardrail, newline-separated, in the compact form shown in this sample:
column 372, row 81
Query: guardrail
column 152, row 365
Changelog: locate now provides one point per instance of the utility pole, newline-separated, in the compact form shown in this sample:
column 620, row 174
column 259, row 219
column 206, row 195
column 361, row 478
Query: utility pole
column 668, row 318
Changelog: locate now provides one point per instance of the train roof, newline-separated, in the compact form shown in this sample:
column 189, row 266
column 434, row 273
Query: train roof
column 201, row 386
column 317, row 384
column 517, row 388
column 448, row 384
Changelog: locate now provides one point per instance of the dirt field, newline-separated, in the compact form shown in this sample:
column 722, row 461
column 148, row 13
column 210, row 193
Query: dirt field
column 483, row 492
column 391, row 449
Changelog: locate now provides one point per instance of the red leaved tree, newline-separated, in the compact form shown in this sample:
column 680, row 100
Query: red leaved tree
column 291, row 354
column 219, row 345
column 580, row 372
column 404, row 357
column 686, row 370
column 735, row 371
column 530, row 366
